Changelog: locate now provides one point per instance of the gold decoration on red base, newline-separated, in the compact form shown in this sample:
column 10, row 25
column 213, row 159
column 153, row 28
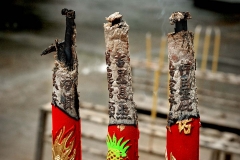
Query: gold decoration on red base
column 182, row 125
column 62, row 146
column 121, row 127
column 172, row 157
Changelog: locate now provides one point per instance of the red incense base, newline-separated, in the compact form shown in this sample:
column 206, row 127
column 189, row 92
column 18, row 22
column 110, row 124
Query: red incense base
column 66, row 136
column 122, row 142
column 183, row 140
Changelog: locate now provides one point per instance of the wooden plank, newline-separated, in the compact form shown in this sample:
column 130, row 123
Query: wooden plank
column 208, row 115
column 209, row 138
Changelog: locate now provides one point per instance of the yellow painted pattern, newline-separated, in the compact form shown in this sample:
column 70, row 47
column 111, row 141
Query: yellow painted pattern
column 182, row 125
column 62, row 147
column 172, row 157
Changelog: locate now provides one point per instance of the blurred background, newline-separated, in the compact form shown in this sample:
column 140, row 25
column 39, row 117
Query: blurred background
column 28, row 27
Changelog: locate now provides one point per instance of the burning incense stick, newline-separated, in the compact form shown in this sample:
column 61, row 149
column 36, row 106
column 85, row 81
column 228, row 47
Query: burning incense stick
column 66, row 140
column 183, row 119
column 123, row 131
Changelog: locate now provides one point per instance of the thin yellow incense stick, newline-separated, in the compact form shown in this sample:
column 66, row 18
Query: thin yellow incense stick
column 206, row 48
column 157, row 75
column 216, row 49
column 196, row 39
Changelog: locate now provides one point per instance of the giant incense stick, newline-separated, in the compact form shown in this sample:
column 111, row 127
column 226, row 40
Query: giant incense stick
column 123, row 134
column 183, row 119
column 66, row 143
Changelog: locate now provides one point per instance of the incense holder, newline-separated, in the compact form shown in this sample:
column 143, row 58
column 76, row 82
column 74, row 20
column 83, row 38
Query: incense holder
column 66, row 125
column 123, row 133
column 183, row 119
column 122, row 108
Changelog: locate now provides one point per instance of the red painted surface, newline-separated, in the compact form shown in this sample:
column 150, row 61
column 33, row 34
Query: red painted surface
column 130, row 133
column 184, row 146
column 60, row 119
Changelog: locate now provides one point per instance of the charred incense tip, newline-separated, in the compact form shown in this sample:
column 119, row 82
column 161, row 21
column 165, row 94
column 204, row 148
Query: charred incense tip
column 114, row 18
column 51, row 48
column 122, row 108
column 180, row 20
column 178, row 16
column 182, row 82
column 65, row 72
column 68, row 13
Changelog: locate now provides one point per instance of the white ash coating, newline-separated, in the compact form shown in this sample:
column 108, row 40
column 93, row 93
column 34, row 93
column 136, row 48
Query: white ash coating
column 114, row 16
column 122, row 109
column 182, row 65
column 65, row 83
column 177, row 16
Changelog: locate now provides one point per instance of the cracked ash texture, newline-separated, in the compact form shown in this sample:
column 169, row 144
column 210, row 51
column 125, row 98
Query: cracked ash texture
column 178, row 16
column 183, row 91
column 122, row 109
column 65, row 71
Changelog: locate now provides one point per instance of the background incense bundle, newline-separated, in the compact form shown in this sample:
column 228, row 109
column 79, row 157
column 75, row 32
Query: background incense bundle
column 123, row 134
column 66, row 140
column 183, row 119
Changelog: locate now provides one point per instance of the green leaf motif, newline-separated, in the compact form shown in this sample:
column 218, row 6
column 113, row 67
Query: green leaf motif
column 117, row 146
